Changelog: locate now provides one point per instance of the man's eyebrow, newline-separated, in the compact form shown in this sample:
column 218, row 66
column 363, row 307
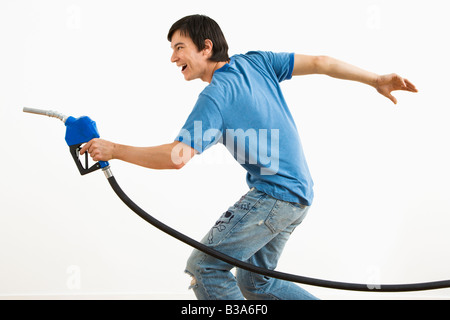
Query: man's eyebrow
column 177, row 44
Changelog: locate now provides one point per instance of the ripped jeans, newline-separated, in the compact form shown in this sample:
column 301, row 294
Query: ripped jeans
column 254, row 230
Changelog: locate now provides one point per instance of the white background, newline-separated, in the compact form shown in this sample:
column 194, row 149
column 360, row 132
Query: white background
column 381, row 212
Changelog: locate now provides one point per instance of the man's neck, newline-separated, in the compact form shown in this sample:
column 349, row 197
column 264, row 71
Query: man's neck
column 214, row 66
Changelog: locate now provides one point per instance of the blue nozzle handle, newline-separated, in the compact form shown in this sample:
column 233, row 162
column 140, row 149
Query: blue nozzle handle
column 79, row 131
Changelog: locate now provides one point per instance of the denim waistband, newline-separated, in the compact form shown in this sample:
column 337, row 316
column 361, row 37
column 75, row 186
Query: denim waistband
column 302, row 206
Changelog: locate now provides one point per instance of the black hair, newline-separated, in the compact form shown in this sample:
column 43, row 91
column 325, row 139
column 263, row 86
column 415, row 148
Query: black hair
column 199, row 28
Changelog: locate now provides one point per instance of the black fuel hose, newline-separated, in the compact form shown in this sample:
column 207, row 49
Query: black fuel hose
column 266, row 272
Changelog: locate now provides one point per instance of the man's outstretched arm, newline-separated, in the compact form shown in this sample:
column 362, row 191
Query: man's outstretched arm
column 384, row 84
column 168, row 156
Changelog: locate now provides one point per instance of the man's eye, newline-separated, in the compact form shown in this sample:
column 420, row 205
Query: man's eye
column 179, row 48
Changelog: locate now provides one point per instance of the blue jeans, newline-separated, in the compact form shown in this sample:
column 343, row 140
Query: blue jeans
column 254, row 230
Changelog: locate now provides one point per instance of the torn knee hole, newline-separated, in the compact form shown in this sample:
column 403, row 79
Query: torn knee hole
column 193, row 284
column 193, row 281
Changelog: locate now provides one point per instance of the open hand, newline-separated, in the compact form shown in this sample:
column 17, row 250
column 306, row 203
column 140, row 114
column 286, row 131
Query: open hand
column 387, row 83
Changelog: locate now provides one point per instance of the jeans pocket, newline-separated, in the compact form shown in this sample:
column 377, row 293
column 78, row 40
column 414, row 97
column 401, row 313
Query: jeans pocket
column 233, row 216
column 284, row 217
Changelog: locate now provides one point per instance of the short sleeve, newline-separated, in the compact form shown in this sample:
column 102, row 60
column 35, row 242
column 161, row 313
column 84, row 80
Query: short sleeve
column 204, row 126
column 281, row 63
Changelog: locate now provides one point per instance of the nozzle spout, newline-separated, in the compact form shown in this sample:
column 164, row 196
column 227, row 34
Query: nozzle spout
column 49, row 113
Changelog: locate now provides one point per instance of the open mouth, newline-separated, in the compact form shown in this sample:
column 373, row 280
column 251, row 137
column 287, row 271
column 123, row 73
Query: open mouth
column 183, row 68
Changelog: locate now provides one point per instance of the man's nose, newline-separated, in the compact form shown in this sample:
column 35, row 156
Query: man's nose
column 174, row 57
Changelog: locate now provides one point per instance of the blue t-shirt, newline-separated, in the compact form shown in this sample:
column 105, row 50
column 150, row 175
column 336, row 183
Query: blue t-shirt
column 243, row 108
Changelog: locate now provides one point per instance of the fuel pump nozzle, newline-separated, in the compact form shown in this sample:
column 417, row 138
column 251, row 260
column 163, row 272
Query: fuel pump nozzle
column 78, row 132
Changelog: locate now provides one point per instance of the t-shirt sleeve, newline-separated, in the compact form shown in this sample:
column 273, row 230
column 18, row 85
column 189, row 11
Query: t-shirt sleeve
column 282, row 63
column 204, row 126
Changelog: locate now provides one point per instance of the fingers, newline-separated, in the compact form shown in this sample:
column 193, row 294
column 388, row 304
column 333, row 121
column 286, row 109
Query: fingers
column 410, row 86
column 404, row 83
column 92, row 148
column 400, row 83
column 98, row 149
column 86, row 147
column 407, row 85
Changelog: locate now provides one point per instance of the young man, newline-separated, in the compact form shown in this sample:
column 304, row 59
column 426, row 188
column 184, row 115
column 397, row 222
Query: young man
column 243, row 108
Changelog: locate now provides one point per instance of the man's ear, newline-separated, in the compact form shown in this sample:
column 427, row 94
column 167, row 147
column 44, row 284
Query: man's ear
column 208, row 50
